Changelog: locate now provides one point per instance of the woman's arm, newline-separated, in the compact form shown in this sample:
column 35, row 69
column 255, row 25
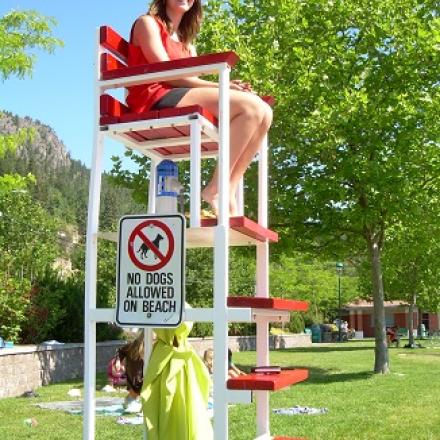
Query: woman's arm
column 146, row 35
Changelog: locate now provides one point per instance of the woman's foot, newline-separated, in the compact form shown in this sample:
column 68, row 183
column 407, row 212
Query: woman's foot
column 211, row 197
column 233, row 207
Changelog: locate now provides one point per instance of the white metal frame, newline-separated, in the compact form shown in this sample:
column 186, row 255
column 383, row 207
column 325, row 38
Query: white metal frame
column 262, row 290
column 220, row 314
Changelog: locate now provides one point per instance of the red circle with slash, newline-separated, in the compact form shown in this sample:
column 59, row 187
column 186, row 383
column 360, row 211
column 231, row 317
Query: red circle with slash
column 149, row 245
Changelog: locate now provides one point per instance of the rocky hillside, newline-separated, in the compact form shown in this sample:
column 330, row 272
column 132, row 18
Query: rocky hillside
column 45, row 147
column 61, row 182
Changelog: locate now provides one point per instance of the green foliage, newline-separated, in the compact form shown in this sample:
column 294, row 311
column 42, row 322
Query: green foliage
column 199, row 284
column 106, row 275
column 411, row 260
column 20, row 32
column 63, row 191
column 10, row 142
column 46, row 307
column 297, row 323
column 135, row 181
column 356, row 132
column 105, row 292
column 63, row 299
column 14, row 302
column 351, row 99
column 15, row 182
column 39, row 203
column 301, row 276
column 28, row 236
column 28, row 243
column 46, row 310
column 56, row 310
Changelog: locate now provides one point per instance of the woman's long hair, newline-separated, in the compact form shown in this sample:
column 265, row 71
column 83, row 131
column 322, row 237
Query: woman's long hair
column 135, row 349
column 190, row 24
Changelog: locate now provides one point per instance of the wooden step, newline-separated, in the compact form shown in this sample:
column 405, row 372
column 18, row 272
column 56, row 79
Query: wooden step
column 268, row 303
column 268, row 382
column 245, row 226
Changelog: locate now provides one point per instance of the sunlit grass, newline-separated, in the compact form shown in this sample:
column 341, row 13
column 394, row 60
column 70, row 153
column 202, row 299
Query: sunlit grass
column 403, row 405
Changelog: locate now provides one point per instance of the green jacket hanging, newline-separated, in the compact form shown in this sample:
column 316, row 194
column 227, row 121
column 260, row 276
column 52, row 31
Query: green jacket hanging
column 175, row 390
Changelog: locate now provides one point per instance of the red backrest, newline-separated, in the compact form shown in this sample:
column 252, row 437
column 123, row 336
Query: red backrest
column 109, row 63
column 114, row 43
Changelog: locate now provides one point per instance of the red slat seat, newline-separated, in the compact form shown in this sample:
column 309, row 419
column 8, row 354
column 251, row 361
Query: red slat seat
column 268, row 303
column 268, row 382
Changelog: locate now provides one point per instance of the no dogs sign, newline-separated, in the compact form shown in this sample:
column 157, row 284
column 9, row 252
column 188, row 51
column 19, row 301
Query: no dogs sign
column 150, row 271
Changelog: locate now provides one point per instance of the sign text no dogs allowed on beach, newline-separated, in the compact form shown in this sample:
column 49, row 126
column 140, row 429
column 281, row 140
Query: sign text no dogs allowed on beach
column 150, row 271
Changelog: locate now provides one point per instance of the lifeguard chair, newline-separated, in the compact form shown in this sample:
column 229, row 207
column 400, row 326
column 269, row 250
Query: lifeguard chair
column 189, row 133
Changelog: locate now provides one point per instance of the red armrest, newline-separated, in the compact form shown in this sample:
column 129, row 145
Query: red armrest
column 226, row 57
column 109, row 62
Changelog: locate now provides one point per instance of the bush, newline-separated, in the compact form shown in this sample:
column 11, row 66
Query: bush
column 14, row 304
column 56, row 311
column 296, row 323
column 46, row 309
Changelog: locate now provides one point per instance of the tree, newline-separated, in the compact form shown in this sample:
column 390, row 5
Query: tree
column 21, row 32
column 411, row 260
column 28, row 248
column 303, row 277
column 356, row 128
column 28, row 236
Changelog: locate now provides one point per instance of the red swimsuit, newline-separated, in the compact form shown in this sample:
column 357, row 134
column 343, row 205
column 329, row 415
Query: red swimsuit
column 142, row 98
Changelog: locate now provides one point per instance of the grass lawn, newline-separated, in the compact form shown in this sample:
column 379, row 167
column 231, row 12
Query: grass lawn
column 403, row 405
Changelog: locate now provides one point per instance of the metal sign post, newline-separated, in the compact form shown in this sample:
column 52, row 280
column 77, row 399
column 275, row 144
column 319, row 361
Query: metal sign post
column 150, row 271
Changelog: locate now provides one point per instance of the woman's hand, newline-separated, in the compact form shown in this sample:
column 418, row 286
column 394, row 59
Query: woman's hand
column 237, row 84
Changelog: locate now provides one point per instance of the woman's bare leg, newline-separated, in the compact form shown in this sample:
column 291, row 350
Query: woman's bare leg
column 248, row 154
column 250, row 121
column 244, row 159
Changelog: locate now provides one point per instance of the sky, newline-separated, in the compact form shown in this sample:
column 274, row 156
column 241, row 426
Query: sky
column 61, row 90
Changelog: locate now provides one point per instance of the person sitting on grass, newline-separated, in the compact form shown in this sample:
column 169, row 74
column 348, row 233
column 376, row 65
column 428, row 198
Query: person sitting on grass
column 116, row 372
column 393, row 336
column 233, row 371
column 132, row 355
column 208, row 359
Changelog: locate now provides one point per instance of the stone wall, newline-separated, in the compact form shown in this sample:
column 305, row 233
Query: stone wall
column 247, row 343
column 25, row 368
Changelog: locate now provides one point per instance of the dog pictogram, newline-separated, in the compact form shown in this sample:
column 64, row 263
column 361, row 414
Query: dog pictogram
column 143, row 250
column 149, row 253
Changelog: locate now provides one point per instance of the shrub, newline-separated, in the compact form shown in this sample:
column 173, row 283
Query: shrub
column 14, row 304
column 46, row 309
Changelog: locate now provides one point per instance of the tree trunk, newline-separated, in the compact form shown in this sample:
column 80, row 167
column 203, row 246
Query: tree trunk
column 381, row 359
column 411, row 322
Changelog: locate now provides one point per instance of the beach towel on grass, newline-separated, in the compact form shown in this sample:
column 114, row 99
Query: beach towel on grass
column 297, row 410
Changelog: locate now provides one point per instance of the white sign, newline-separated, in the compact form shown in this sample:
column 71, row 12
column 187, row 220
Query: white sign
column 150, row 282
